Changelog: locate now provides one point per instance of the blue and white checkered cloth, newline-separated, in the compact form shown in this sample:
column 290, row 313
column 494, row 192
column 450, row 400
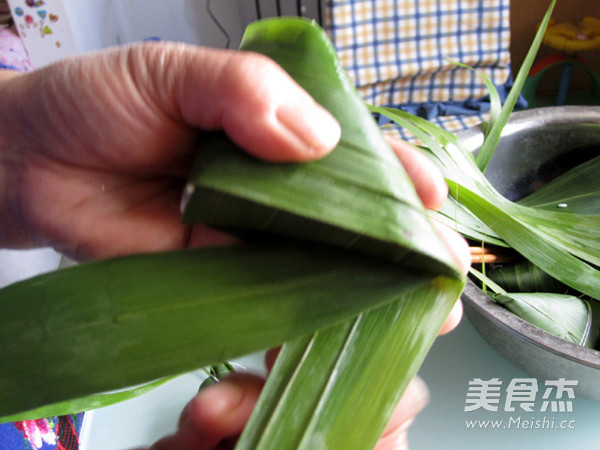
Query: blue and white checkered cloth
column 400, row 53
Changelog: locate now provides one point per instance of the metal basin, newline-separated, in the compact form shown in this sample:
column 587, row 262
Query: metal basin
column 557, row 138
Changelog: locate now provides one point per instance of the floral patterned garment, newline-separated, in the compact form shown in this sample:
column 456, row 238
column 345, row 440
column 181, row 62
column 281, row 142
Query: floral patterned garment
column 12, row 51
column 56, row 433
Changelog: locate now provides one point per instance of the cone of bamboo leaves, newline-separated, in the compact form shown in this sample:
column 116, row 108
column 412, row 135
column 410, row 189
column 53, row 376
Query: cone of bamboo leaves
column 358, row 197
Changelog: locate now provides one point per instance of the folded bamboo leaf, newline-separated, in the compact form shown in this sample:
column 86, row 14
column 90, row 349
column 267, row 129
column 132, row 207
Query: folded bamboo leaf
column 316, row 395
column 117, row 323
column 526, row 277
column 564, row 316
column 577, row 191
column 357, row 197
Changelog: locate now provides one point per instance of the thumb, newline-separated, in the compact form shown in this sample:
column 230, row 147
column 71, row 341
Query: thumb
column 247, row 95
column 215, row 415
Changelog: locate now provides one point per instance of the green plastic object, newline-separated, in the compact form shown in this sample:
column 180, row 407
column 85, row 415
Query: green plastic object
column 564, row 95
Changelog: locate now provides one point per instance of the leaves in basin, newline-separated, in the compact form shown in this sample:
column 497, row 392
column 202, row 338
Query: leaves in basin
column 564, row 316
column 525, row 277
column 576, row 191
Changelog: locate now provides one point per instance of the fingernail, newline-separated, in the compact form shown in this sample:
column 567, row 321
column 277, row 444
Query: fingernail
column 316, row 129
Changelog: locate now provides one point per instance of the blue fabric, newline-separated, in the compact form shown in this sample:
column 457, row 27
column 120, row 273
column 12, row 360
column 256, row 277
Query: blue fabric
column 5, row 66
column 56, row 433
column 430, row 110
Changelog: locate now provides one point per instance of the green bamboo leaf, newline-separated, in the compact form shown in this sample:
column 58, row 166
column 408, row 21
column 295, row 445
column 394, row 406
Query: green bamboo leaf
column 116, row 323
column 594, row 338
column 542, row 249
column 315, row 396
column 454, row 160
column 457, row 165
column 436, row 139
column 433, row 136
column 459, row 218
column 215, row 373
column 358, row 197
column 486, row 282
column 568, row 235
column 110, row 324
column 495, row 131
column 495, row 112
column 85, row 403
column 576, row 191
column 526, row 277
column 570, row 232
column 564, row 316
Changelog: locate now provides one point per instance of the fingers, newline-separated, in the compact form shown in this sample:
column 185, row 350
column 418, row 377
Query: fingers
column 453, row 319
column 413, row 401
column 426, row 177
column 250, row 97
column 203, row 236
column 462, row 255
column 217, row 414
column 432, row 190
column 456, row 244
column 270, row 357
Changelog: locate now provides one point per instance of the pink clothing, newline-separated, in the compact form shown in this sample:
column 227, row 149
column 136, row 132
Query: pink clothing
column 12, row 51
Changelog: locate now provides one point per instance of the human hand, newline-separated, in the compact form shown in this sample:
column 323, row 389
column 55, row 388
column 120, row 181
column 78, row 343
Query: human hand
column 215, row 417
column 94, row 151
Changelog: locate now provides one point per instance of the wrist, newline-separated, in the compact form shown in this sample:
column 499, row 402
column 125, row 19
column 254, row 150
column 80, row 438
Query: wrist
column 12, row 232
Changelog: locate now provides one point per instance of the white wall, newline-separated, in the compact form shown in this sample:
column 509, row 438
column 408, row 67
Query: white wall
column 96, row 24
column 101, row 23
